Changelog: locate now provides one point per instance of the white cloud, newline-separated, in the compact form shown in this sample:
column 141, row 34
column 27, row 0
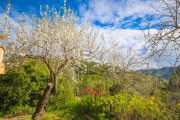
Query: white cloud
column 130, row 38
column 98, row 10
column 125, row 37
column 114, row 11
column 14, row 17
column 10, row 19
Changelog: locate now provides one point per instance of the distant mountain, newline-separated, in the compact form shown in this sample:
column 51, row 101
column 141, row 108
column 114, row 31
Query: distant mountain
column 164, row 72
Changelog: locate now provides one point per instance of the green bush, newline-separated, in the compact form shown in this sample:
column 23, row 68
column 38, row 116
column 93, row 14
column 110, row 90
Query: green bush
column 20, row 110
column 22, row 86
column 121, row 106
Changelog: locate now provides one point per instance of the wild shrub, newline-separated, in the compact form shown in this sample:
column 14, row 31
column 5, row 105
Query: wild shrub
column 123, row 106
column 22, row 86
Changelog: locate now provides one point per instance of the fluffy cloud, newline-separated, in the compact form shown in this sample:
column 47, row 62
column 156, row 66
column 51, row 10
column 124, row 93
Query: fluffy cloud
column 117, row 11
column 134, row 39
column 13, row 20
column 10, row 19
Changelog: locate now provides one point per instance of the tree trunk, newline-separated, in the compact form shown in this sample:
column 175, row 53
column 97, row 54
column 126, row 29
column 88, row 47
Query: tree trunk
column 55, row 86
column 44, row 99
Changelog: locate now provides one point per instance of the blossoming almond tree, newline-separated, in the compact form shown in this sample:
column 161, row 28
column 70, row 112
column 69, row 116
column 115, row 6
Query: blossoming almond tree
column 56, row 40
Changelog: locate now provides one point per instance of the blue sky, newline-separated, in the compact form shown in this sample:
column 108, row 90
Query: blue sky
column 103, row 13
column 33, row 7
column 118, row 20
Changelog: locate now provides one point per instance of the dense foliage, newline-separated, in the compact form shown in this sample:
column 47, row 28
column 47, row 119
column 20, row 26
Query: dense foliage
column 120, row 106
column 97, row 93
column 22, row 87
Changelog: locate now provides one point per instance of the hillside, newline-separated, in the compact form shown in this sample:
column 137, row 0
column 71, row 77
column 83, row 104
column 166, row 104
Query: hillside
column 164, row 72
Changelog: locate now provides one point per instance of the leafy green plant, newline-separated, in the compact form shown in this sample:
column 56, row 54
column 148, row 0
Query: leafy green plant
column 121, row 106
column 22, row 86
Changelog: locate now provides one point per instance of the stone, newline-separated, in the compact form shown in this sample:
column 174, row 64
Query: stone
column 2, row 68
column 2, row 65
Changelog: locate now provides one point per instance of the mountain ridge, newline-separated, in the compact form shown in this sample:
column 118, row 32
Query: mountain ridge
column 164, row 72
